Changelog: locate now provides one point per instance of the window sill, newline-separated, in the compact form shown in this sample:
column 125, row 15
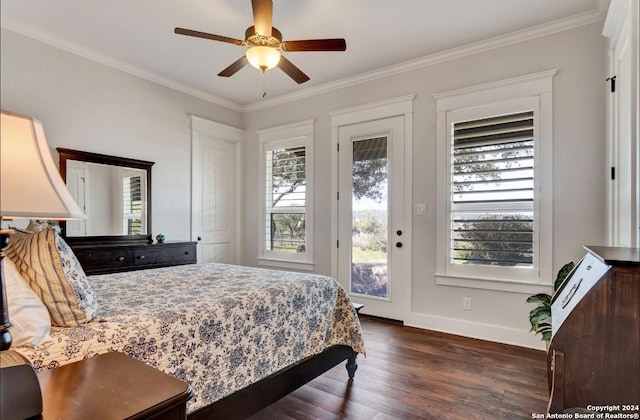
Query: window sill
column 291, row 265
column 493, row 284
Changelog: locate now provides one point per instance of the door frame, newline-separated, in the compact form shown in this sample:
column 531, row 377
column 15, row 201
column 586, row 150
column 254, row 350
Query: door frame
column 401, row 106
column 223, row 133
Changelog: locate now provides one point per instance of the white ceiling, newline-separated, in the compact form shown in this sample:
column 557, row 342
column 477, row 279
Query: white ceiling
column 137, row 36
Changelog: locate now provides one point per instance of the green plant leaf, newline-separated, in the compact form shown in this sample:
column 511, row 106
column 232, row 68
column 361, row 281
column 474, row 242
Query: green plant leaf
column 542, row 298
column 562, row 274
column 540, row 312
column 544, row 327
column 537, row 315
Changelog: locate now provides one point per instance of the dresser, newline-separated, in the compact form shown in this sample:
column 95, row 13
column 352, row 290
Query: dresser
column 594, row 353
column 112, row 258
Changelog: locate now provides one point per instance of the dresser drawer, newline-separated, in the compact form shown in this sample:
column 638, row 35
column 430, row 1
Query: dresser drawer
column 586, row 274
column 162, row 254
column 101, row 260
column 113, row 259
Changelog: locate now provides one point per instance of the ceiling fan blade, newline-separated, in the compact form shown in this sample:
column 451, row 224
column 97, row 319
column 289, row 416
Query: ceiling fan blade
column 233, row 68
column 292, row 71
column 262, row 16
column 336, row 44
column 205, row 35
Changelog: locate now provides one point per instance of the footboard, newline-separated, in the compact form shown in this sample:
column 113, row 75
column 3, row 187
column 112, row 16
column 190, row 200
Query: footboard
column 261, row 394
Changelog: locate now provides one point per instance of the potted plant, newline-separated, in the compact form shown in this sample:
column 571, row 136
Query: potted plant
column 540, row 316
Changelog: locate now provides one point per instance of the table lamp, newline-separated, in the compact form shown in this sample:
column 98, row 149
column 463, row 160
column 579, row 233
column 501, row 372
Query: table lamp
column 30, row 188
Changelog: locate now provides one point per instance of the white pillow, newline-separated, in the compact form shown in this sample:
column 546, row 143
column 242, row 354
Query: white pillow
column 27, row 313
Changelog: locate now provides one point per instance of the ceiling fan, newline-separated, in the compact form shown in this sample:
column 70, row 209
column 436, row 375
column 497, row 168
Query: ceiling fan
column 264, row 44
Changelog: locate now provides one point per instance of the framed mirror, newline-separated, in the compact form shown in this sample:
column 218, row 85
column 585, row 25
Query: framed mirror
column 115, row 193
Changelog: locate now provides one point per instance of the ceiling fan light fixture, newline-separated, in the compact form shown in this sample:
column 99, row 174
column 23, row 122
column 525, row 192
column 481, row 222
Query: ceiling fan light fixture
column 263, row 58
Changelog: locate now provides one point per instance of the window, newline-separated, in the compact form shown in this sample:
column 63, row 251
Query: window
column 132, row 206
column 495, row 181
column 492, row 191
column 286, row 199
column 286, row 239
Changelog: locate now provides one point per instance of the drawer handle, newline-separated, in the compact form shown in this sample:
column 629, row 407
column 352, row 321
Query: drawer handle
column 572, row 292
column 120, row 258
column 141, row 257
column 186, row 252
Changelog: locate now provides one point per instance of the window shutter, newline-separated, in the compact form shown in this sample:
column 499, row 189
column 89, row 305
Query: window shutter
column 132, row 205
column 492, row 191
column 286, row 175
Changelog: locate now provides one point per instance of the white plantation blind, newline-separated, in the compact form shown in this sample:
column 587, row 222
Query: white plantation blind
column 492, row 191
column 286, row 178
column 132, row 205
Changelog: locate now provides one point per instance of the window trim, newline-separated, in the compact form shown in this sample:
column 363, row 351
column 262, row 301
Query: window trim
column 290, row 135
column 535, row 89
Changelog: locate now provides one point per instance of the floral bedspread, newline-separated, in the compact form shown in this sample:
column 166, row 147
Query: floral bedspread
column 218, row 327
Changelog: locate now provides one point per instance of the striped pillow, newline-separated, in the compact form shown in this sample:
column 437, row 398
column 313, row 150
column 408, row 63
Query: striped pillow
column 49, row 266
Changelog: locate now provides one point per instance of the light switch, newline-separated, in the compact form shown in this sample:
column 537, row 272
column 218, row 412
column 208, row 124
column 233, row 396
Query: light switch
column 421, row 208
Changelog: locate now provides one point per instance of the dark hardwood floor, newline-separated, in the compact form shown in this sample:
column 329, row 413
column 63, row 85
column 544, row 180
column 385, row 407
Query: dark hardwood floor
column 410, row 373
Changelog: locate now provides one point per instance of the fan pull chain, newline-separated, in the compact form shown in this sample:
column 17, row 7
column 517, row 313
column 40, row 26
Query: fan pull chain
column 264, row 83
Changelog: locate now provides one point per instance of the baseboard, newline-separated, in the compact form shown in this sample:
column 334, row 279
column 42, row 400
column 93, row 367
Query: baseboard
column 512, row 336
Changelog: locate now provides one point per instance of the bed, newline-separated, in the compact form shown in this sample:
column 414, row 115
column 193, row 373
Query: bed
column 241, row 337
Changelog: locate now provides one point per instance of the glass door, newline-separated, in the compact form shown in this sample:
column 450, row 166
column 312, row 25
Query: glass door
column 371, row 209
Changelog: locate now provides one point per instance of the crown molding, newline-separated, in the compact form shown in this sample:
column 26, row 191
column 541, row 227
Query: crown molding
column 66, row 45
column 560, row 25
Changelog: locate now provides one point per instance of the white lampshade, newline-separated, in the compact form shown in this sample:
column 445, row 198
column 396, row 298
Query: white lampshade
column 263, row 58
column 31, row 187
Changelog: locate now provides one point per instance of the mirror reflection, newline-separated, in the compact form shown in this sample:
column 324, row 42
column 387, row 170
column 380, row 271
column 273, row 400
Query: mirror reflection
column 113, row 198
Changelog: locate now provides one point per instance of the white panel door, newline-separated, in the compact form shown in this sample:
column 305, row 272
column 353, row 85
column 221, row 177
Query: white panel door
column 624, row 143
column 214, row 190
column 76, row 184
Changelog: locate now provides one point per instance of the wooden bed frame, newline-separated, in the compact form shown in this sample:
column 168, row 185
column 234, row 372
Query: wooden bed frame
column 247, row 401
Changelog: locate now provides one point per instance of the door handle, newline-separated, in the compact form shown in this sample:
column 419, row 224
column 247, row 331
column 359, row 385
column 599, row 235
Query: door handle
column 199, row 238
column 398, row 244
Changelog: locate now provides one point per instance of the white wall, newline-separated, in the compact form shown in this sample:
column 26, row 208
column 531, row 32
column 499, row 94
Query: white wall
column 88, row 106
column 579, row 169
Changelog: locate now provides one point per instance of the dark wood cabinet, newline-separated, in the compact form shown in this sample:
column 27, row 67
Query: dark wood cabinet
column 112, row 386
column 594, row 353
column 111, row 258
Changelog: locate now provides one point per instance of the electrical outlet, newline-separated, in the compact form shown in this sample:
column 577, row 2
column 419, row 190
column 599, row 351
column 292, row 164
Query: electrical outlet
column 466, row 304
